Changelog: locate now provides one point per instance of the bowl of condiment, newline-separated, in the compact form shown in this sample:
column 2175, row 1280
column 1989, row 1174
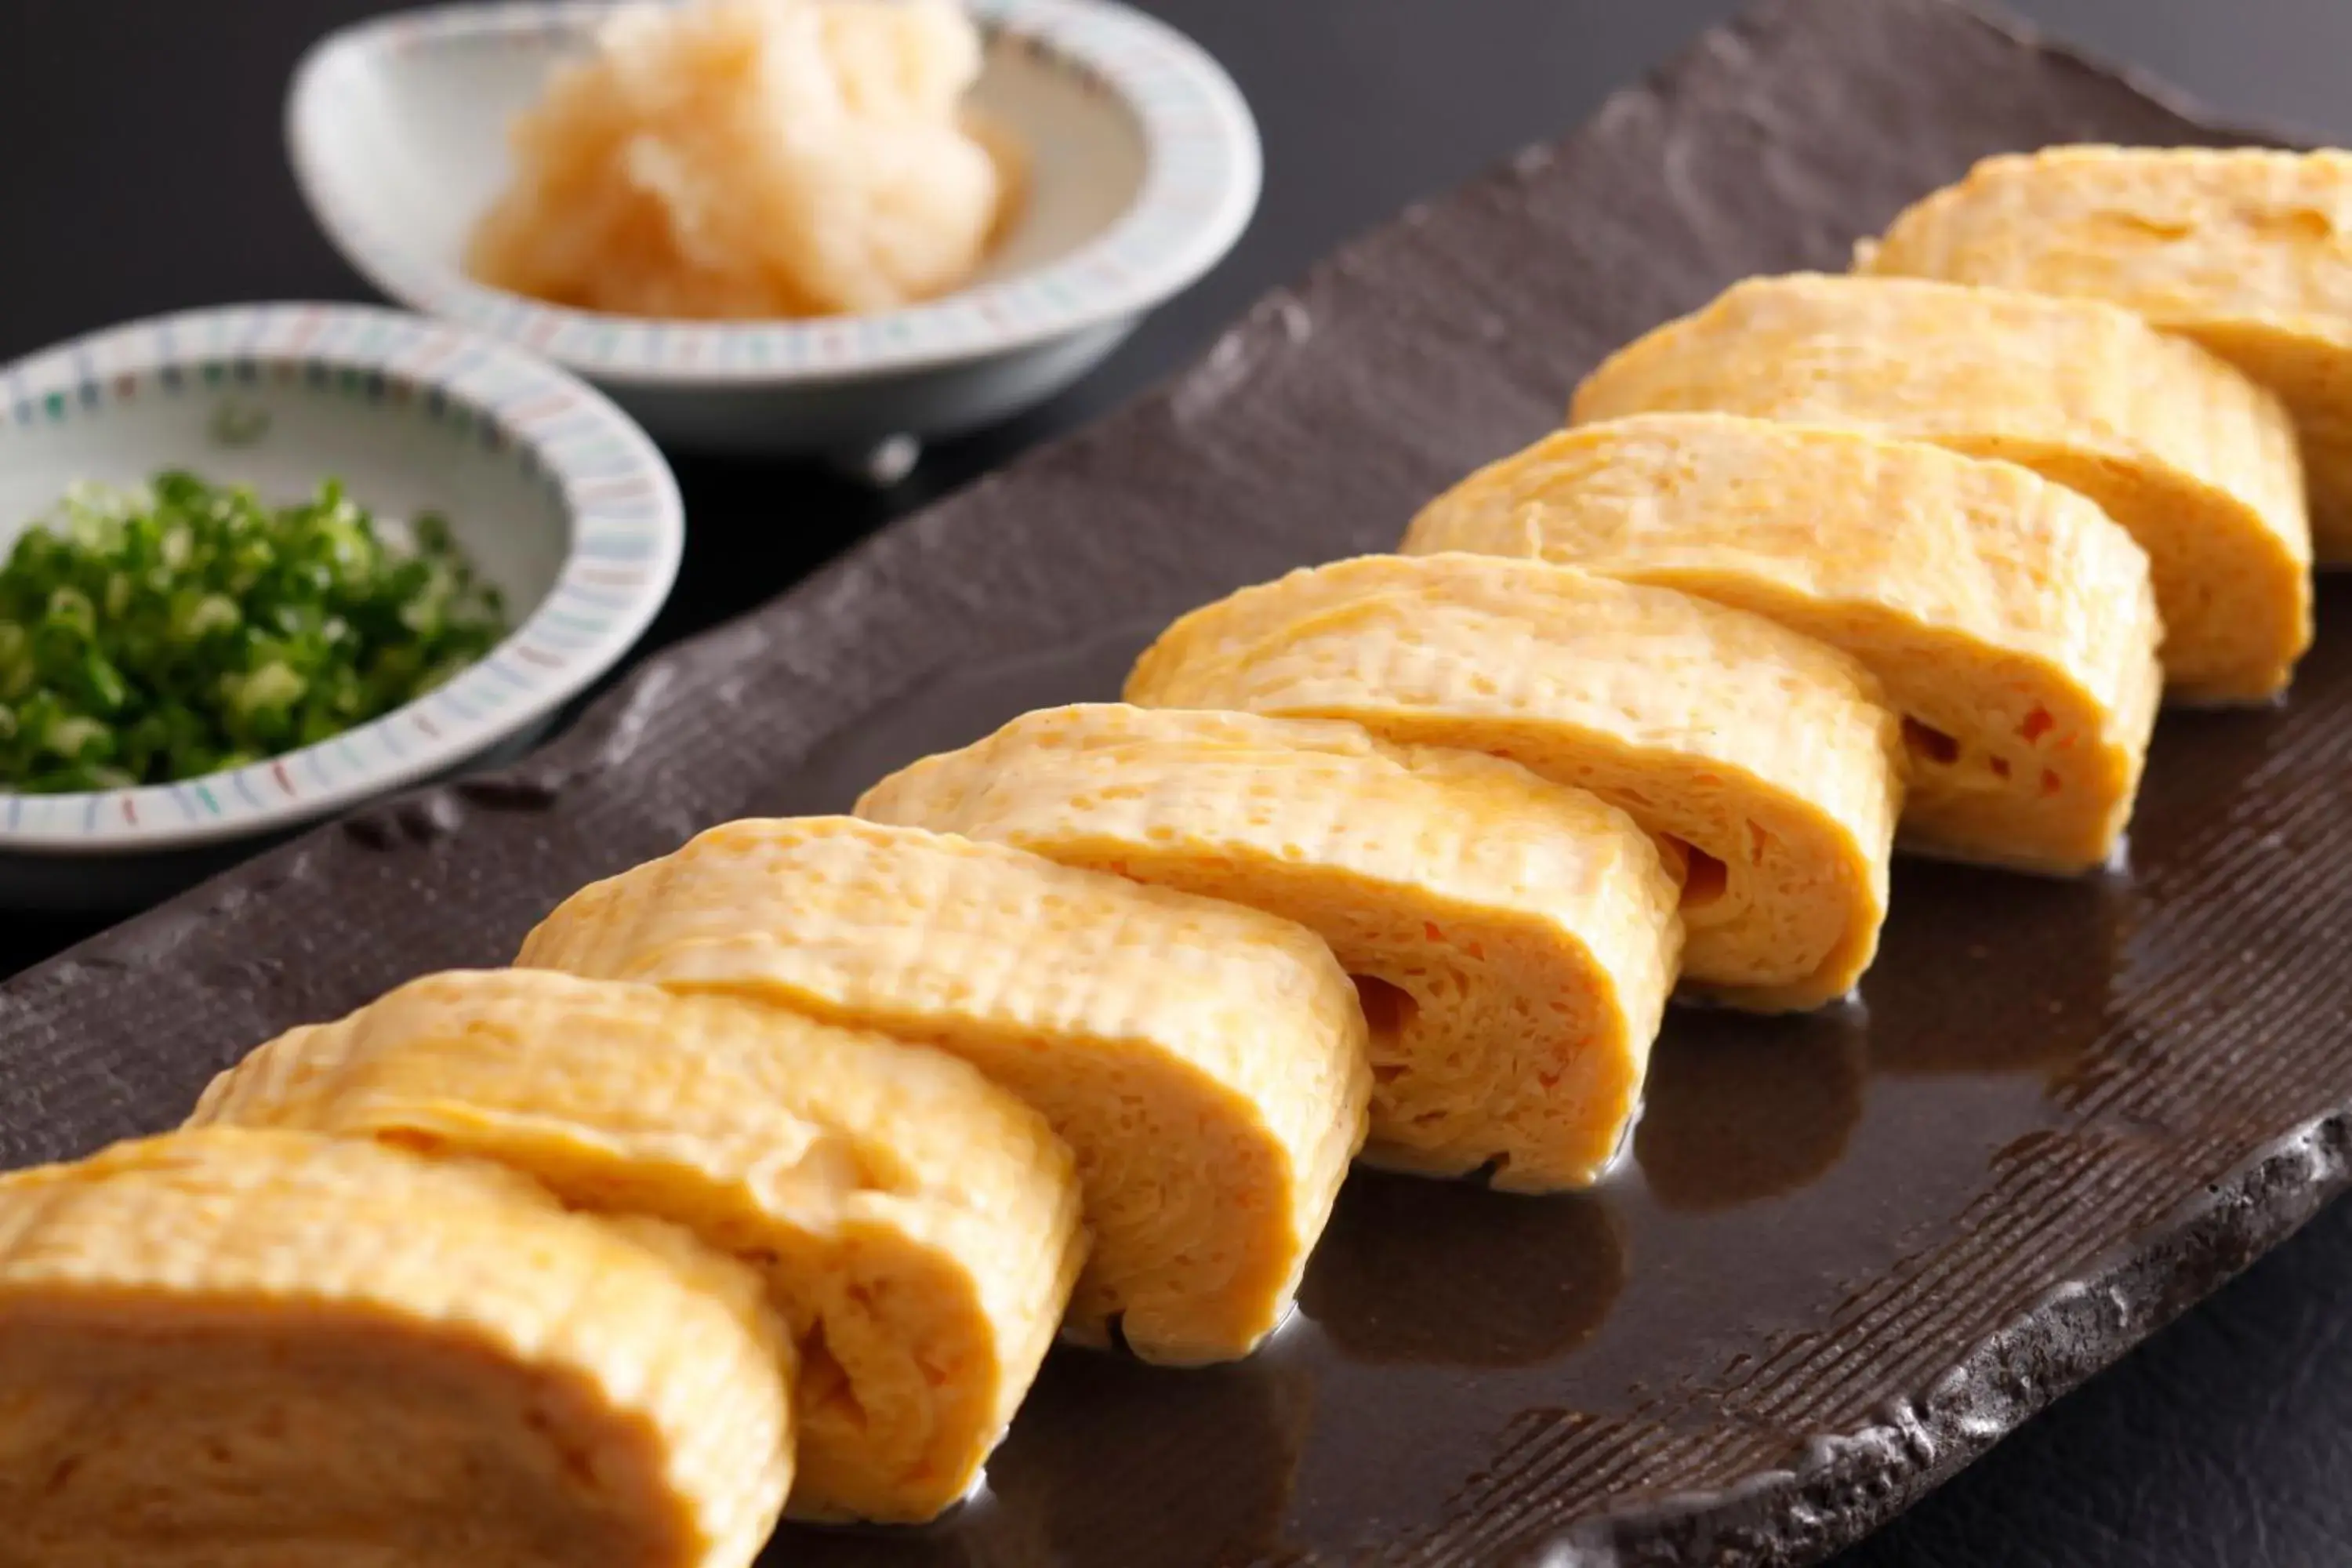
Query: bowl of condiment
column 781, row 227
column 258, row 564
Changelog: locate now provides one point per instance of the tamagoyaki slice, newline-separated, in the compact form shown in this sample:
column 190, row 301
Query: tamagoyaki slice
column 917, row 1227
column 2010, row 620
column 276, row 1349
column 2195, row 460
column 2247, row 250
column 1204, row 1062
column 1765, row 759
column 1514, row 939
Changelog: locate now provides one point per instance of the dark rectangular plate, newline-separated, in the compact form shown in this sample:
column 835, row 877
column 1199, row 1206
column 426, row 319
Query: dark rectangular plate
column 1849, row 1252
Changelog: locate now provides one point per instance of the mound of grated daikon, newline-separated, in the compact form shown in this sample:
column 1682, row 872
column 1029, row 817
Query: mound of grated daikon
column 752, row 158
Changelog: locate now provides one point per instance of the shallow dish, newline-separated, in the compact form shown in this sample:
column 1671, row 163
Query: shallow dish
column 1144, row 169
column 556, row 496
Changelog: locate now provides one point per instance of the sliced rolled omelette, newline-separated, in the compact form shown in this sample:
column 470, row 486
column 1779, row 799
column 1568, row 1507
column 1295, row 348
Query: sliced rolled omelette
column 1765, row 759
column 274, row 1350
column 2198, row 462
column 2247, row 250
column 1513, row 939
column 2010, row 620
column 1205, row 1062
column 917, row 1224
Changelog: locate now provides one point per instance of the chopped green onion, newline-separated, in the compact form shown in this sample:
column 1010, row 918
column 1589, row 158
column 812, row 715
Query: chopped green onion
column 159, row 632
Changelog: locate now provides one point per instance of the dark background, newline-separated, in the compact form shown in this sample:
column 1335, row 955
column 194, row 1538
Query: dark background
column 140, row 171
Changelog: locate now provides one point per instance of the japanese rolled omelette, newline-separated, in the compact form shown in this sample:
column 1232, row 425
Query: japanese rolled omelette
column 277, row 1350
column 2012, row 623
column 917, row 1226
column 2246, row 250
column 1514, row 939
column 1204, row 1062
column 1764, row 762
column 2196, row 462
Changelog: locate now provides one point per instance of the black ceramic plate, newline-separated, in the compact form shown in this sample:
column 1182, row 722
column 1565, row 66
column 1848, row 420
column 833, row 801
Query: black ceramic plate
column 1849, row 1251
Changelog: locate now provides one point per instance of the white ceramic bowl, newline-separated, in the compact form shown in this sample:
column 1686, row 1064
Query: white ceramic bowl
column 557, row 497
column 1144, row 169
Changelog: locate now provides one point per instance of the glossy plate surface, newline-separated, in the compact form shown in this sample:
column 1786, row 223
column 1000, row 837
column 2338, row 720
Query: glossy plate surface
column 1847, row 1253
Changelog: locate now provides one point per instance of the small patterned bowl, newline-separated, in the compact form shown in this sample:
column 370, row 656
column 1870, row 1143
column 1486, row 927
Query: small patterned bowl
column 557, row 497
column 1144, row 168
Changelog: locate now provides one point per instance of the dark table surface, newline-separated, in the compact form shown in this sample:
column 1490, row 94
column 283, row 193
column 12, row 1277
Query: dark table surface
column 144, row 172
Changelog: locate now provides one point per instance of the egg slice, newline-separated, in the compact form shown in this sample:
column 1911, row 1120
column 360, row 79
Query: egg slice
column 1513, row 939
column 1204, row 1062
column 2195, row 460
column 1762, row 759
column 2010, row 620
column 917, row 1227
column 2247, row 250
column 274, row 1348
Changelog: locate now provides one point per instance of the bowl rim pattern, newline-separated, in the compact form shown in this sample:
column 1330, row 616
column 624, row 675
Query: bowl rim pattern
column 624, row 523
